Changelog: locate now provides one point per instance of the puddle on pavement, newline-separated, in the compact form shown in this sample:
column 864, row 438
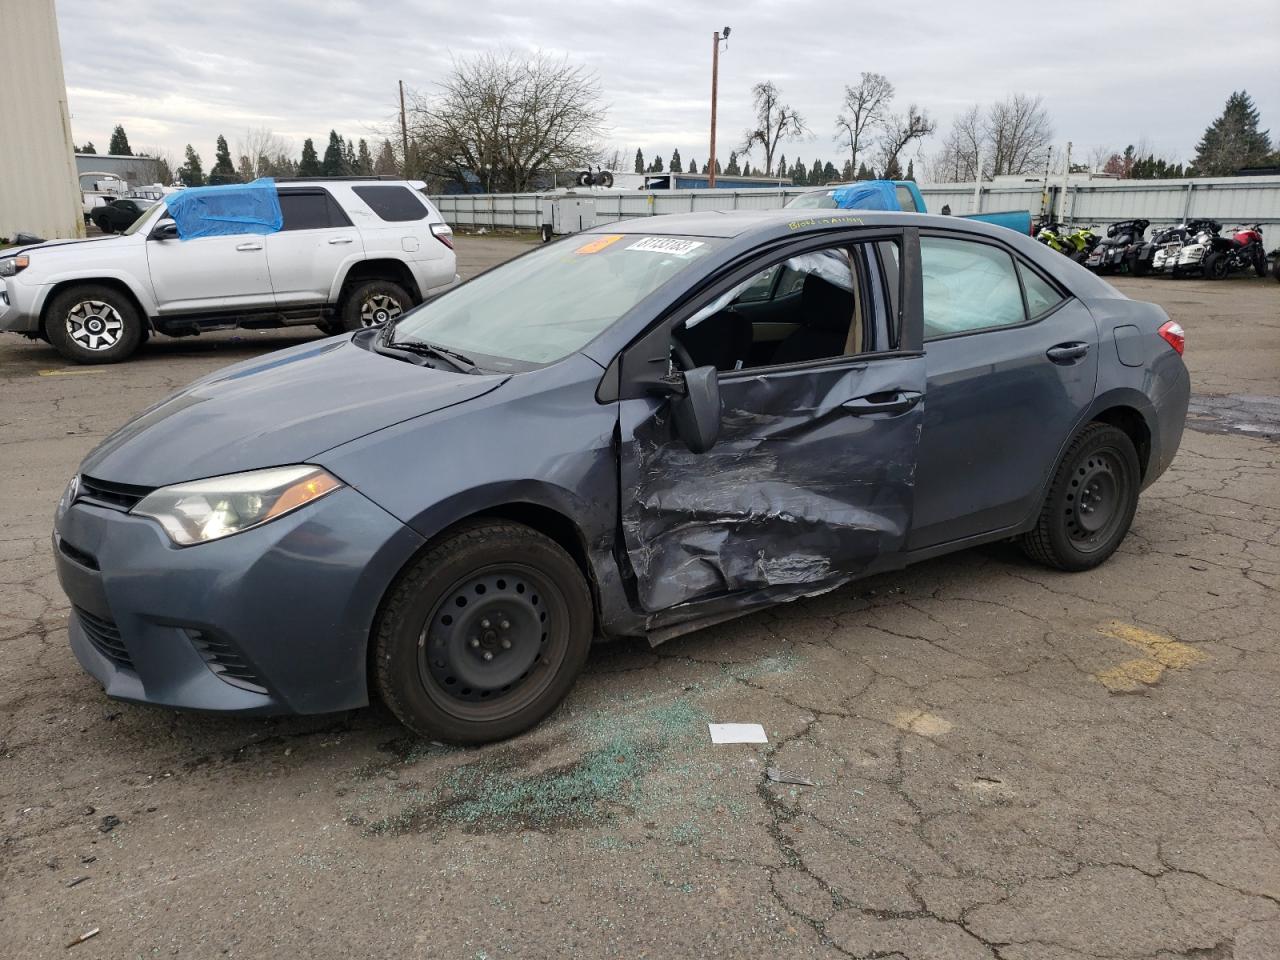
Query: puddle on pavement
column 1248, row 414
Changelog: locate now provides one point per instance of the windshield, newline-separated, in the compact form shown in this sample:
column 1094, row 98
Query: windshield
column 823, row 199
column 149, row 216
column 552, row 301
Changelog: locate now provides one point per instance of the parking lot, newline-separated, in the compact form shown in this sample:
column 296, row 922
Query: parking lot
column 1003, row 761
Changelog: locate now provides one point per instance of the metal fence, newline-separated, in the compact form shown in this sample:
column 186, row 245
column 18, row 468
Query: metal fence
column 1231, row 200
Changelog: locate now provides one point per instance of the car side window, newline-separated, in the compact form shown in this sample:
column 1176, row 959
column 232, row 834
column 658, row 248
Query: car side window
column 968, row 286
column 836, row 311
column 392, row 203
column 1042, row 296
column 761, row 287
column 305, row 211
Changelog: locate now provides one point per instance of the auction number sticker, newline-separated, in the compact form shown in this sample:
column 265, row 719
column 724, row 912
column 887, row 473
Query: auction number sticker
column 595, row 246
column 666, row 245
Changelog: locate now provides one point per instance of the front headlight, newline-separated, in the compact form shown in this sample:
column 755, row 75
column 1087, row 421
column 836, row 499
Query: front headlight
column 211, row 509
column 10, row 266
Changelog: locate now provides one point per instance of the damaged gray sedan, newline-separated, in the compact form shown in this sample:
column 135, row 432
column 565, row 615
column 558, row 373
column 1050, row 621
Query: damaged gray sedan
column 637, row 431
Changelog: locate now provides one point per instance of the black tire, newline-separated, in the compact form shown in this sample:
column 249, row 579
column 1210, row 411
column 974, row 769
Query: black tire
column 546, row 233
column 91, row 323
column 1216, row 266
column 1099, row 474
column 483, row 635
column 1137, row 266
column 1275, row 269
column 1260, row 264
column 370, row 303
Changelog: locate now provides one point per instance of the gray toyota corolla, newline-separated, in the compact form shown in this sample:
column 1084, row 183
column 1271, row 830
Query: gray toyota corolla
column 636, row 431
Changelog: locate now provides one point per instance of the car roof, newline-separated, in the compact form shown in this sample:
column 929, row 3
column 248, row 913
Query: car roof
column 765, row 223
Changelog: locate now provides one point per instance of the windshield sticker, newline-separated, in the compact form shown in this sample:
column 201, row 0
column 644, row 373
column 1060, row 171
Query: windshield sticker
column 595, row 246
column 666, row 245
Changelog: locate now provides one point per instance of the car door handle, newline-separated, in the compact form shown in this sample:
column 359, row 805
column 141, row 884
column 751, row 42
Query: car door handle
column 1065, row 353
column 891, row 401
column 249, row 246
column 336, row 240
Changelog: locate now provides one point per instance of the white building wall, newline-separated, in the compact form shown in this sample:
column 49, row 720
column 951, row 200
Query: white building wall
column 38, row 189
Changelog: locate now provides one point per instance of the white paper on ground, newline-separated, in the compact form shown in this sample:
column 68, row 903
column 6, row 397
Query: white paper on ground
column 737, row 733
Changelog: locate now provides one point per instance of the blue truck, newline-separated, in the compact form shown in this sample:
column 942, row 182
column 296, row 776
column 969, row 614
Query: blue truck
column 896, row 195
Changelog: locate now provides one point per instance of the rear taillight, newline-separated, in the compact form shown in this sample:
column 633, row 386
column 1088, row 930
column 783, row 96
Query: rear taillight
column 444, row 233
column 1171, row 333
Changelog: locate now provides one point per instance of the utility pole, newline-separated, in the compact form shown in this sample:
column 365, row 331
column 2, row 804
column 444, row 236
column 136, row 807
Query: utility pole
column 404, row 135
column 715, row 80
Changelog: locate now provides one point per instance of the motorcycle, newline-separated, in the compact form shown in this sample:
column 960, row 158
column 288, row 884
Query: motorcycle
column 1185, row 249
column 1077, row 245
column 1119, row 248
column 1240, row 252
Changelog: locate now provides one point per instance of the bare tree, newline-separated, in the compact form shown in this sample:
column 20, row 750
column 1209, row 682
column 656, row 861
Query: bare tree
column 1019, row 134
column 507, row 118
column 899, row 130
column 775, row 121
column 865, row 108
column 262, row 152
column 165, row 164
column 1010, row 137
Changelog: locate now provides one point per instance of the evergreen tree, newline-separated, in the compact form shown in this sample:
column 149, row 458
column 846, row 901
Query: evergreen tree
column 846, row 173
column 308, row 166
column 863, row 173
column 782, row 166
column 733, row 170
column 676, row 165
column 364, row 162
column 718, row 170
column 223, row 171
column 385, row 164
column 657, row 164
column 706, row 169
column 119, row 142
column 829, row 172
column 87, row 148
column 1233, row 141
column 892, row 171
column 333, row 165
column 693, row 167
column 911, row 169
column 815, row 173
column 639, row 161
column 746, row 168
column 348, row 157
column 800, row 174
column 191, row 173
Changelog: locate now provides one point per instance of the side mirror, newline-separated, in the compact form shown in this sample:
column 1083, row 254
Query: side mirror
column 696, row 413
column 164, row 230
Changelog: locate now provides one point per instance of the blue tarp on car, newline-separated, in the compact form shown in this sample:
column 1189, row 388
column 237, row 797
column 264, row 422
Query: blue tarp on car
column 867, row 195
column 226, row 210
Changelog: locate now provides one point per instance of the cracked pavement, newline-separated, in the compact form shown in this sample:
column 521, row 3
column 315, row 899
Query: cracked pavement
column 1009, row 763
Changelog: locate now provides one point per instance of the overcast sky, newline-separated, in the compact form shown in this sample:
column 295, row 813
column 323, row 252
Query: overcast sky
column 1110, row 73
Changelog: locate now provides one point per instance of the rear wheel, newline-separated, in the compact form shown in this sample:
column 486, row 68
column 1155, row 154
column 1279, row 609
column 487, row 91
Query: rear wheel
column 1137, row 266
column 483, row 635
column 371, row 304
column 1260, row 264
column 1216, row 266
column 93, row 324
column 1091, row 501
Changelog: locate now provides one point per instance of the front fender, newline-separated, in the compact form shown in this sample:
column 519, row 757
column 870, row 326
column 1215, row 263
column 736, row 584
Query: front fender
column 141, row 291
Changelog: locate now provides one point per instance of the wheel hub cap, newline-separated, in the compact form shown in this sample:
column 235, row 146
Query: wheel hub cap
column 1094, row 498
column 379, row 309
column 95, row 325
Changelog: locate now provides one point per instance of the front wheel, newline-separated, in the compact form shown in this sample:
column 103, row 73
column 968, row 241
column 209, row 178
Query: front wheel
column 1091, row 501
column 1260, row 264
column 483, row 635
column 93, row 324
column 1216, row 266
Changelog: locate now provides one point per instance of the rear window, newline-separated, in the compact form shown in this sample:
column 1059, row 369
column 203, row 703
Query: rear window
column 392, row 203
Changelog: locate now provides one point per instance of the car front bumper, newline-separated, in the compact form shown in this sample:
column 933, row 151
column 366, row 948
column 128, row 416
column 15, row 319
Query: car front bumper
column 18, row 313
column 272, row 620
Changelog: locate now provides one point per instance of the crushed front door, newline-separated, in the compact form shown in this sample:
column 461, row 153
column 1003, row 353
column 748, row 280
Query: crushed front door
column 809, row 484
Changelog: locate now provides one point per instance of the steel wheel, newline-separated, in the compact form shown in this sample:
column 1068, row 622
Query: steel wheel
column 378, row 308
column 94, row 325
column 494, row 642
column 1095, row 501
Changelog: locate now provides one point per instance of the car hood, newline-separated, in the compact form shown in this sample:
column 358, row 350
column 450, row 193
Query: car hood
column 283, row 408
column 54, row 245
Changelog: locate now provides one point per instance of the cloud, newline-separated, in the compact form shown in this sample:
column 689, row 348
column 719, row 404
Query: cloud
column 1110, row 73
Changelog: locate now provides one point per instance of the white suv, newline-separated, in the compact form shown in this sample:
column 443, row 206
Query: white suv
column 353, row 252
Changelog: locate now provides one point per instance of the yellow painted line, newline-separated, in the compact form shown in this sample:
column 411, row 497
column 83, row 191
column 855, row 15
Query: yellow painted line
column 70, row 372
column 1161, row 653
